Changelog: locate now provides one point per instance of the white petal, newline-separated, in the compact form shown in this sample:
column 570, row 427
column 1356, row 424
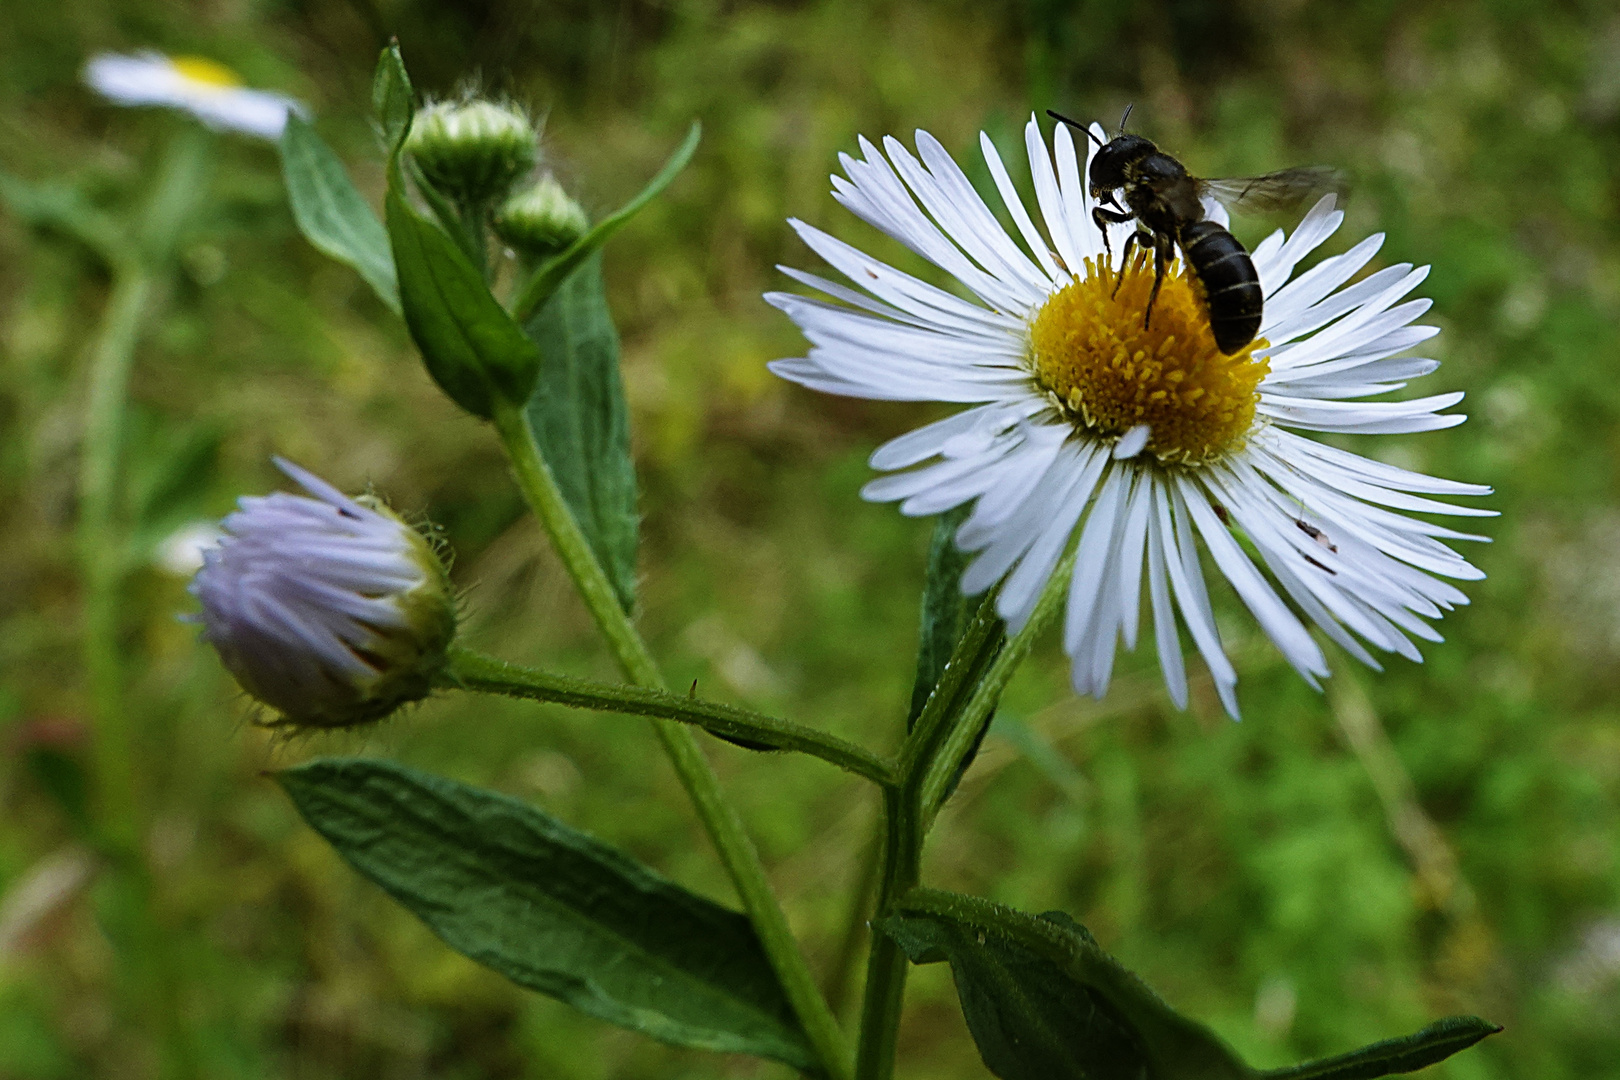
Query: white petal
column 1020, row 215
column 1167, row 640
column 1051, row 202
column 1280, row 625
column 1133, row 442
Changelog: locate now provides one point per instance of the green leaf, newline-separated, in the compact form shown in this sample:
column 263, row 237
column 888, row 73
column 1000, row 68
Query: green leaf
column 467, row 233
column 582, row 423
column 64, row 778
column 473, row 348
column 167, row 474
column 1434, row 1043
column 64, row 210
column 392, row 99
column 331, row 213
column 553, row 272
column 945, row 610
column 1044, row 1002
column 552, row 909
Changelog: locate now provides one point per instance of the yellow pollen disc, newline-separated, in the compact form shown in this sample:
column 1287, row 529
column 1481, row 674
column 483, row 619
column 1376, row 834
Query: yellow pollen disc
column 203, row 70
column 1107, row 374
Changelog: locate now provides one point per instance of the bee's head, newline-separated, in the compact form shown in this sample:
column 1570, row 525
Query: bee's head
column 1109, row 164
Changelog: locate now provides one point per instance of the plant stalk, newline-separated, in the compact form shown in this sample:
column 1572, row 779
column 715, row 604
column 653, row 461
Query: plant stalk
column 117, row 812
column 469, row 670
column 904, row 833
column 886, row 965
column 945, row 733
column 101, row 552
column 724, row 827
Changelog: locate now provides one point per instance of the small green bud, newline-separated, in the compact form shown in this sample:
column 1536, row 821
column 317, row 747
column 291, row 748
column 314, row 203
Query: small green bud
column 541, row 219
column 473, row 150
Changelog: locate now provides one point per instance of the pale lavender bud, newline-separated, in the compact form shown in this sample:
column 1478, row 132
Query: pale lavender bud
column 330, row 610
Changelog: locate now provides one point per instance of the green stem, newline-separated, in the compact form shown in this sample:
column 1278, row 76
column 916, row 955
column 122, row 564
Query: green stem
column 135, row 260
column 886, row 965
column 469, row 670
column 724, row 827
column 904, row 833
column 101, row 552
column 152, row 987
column 945, row 733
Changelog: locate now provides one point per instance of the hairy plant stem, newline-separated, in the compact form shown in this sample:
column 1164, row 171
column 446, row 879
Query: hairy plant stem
column 468, row 670
column 903, row 836
column 935, row 753
column 886, row 965
column 724, row 827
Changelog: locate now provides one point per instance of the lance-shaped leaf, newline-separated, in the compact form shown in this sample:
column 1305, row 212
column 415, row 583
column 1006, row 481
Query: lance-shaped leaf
column 550, row 275
column 62, row 208
column 552, row 909
column 945, row 610
column 582, row 423
column 1433, row 1044
column 392, row 99
column 330, row 213
column 1044, row 1002
column 473, row 348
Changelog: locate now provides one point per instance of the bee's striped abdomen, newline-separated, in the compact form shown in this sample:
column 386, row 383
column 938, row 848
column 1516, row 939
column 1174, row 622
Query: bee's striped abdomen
column 1231, row 286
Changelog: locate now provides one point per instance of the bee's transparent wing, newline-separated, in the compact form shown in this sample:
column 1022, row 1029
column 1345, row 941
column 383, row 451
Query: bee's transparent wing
column 1276, row 191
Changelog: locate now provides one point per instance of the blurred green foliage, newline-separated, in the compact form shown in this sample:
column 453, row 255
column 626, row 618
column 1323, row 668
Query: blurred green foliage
column 1264, row 875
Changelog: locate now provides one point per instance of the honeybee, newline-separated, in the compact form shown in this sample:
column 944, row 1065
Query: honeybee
column 1166, row 202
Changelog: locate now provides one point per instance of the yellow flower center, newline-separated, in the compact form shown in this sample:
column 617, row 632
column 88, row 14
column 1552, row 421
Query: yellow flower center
column 203, row 70
column 1108, row 374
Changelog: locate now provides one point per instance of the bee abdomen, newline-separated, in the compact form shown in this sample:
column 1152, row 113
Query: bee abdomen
column 1231, row 286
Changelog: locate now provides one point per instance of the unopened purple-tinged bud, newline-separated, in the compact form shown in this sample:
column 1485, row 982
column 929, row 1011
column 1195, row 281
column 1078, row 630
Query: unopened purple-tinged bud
column 330, row 610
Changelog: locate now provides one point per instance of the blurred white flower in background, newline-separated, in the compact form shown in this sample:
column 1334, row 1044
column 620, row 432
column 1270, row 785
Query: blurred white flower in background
column 207, row 90
column 181, row 552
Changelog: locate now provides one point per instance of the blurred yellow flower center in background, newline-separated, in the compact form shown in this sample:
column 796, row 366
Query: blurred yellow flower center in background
column 1091, row 354
column 203, row 70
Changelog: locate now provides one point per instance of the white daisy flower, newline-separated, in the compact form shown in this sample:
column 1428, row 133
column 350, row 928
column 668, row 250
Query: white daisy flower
column 329, row 609
column 207, row 90
column 1143, row 439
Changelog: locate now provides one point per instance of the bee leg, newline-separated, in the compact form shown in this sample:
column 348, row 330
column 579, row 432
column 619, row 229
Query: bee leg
column 1125, row 260
column 1102, row 219
column 1161, row 264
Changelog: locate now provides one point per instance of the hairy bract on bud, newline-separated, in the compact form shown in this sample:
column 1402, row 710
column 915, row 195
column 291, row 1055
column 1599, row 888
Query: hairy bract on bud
column 541, row 219
column 473, row 150
column 330, row 610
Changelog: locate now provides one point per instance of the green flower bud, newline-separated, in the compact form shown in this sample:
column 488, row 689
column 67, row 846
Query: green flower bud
column 473, row 150
column 541, row 219
column 330, row 610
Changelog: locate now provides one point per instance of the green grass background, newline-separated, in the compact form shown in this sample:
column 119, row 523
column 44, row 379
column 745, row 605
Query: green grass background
column 1249, row 870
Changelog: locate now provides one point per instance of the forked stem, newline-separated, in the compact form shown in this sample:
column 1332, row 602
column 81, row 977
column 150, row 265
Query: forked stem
column 724, row 827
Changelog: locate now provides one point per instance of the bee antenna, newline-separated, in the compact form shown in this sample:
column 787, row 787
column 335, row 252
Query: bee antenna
column 1077, row 125
column 1125, row 116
